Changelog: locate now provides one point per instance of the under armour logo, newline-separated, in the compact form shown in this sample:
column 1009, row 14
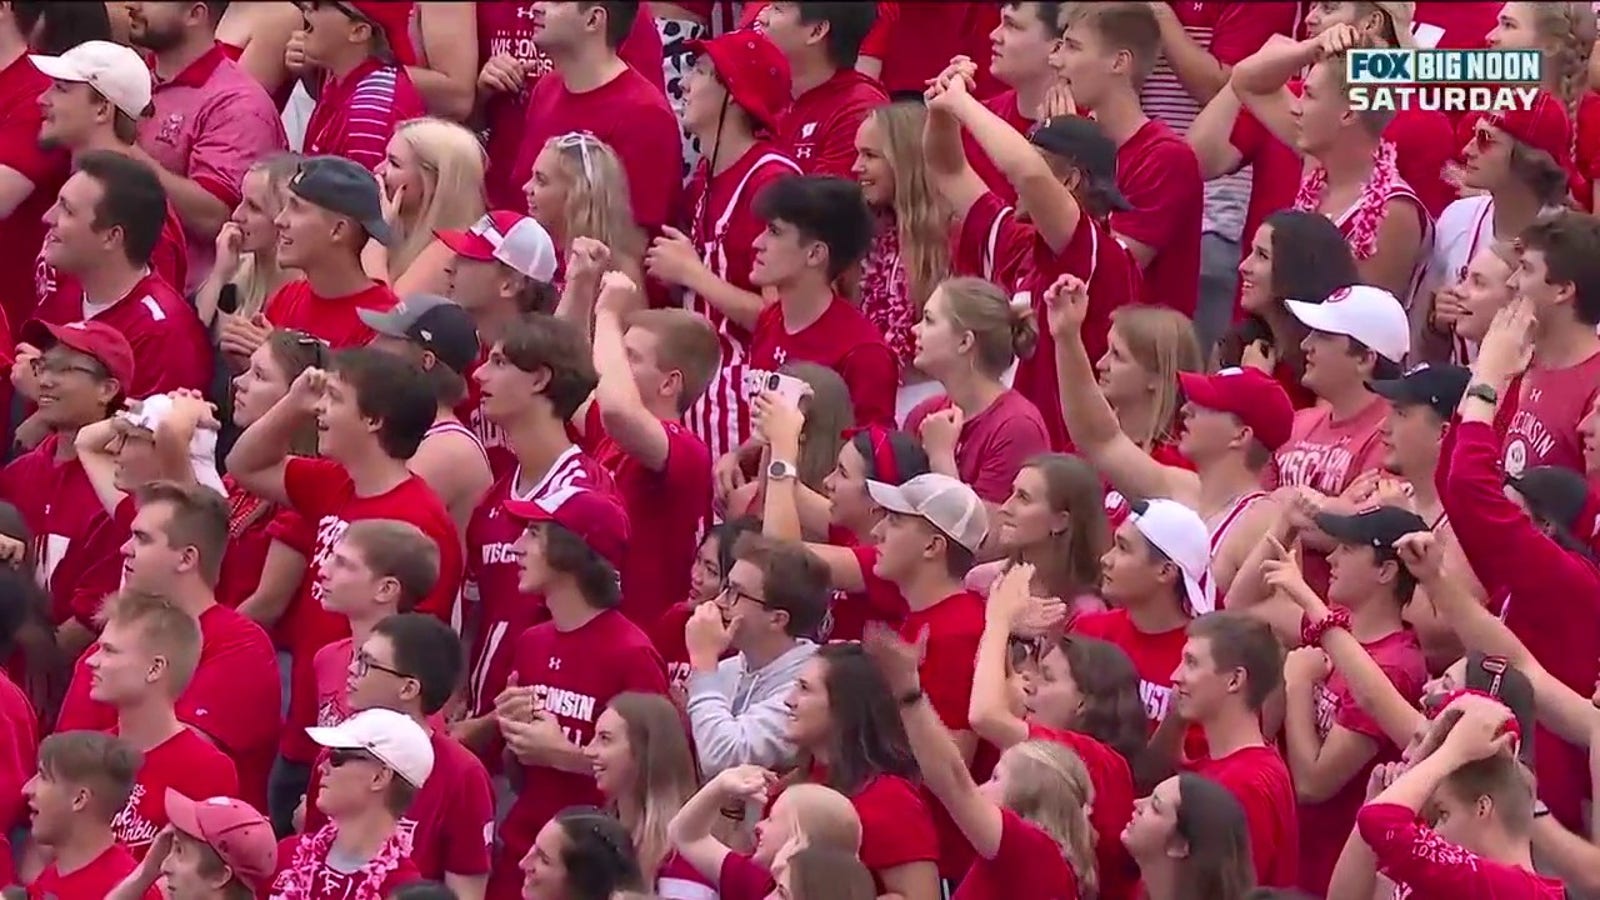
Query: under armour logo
column 555, row 664
column 526, row 11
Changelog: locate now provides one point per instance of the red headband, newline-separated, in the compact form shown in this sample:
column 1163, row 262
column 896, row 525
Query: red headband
column 884, row 467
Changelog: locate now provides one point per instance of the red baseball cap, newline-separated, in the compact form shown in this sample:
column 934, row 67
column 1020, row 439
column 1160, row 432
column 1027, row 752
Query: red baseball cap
column 1544, row 126
column 754, row 70
column 599, row 520
column 95, row 339
column 233, row 828
column 392, row 17
column 513, row 238
column 1253, row 396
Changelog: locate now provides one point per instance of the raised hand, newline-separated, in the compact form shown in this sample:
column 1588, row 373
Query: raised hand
column 1067, row 302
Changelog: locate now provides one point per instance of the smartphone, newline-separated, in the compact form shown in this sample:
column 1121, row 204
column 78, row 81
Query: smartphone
column 790, row 388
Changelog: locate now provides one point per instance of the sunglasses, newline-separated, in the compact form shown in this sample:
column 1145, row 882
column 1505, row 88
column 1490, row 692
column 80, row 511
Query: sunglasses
column 340, row 757
column 583, row 140
column 319, row 347
column 1483, row 138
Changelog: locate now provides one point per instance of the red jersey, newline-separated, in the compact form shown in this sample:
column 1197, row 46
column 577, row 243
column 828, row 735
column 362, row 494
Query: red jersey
column 22, row 232
column 1111, row 810
column 843, row 340
column 491, row 436
column 322, row 492
column 19, row 755
column 1587, row 157
column 1028, row 866
column 724, row 229
column 1425, row 866
column 506, row 29
column 493, row 569
column 1258, row 778
column 331, row 319
column 1160, row 176
column 994, row 444
column 574, row 675
column 1327, row 455
column 185, row 762
column 61, row 509
column 628, row 113
column 171, row 349
column 1539, row 426
column 94, row 879
column 169, row 263
column 356, row 115
column 1155, row 656
column 819, row 128
column 673, row 506
column 253, row 524
column 329, row 883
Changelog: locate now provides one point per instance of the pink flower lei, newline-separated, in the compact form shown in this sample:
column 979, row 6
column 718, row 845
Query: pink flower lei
column 309, row 856
column 1371, row 206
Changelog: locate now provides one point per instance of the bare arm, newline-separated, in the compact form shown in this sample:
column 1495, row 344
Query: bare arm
column 1261, row 82
column 1321, row 767
column 1054, row 209
column 449, row 42
column 1398, row 244
column 1210, row 135
column 952, row 176
column 15, row 187
column 1200, row 73
column 640, row 434
column 281, row 575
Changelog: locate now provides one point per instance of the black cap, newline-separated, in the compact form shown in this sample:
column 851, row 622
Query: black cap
column 433, row 323
column 1378, row 528
column 1555, row 494
column 1084, row 142
column 345, row 187
column 1437, row 387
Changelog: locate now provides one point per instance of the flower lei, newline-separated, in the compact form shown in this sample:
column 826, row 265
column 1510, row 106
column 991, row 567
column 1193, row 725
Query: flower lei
column 310, row 855
column 1370, row 208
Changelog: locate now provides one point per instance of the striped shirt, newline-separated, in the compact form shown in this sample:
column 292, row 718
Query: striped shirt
column 355, row 116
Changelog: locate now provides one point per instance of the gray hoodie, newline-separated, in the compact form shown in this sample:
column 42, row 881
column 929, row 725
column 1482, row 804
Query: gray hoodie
column 739, row 716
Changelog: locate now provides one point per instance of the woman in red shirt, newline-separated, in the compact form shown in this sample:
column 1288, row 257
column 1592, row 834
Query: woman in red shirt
column 712, row 560
column 1190, row 839
column 829, row 416
column 581, row 852
column 579, row 189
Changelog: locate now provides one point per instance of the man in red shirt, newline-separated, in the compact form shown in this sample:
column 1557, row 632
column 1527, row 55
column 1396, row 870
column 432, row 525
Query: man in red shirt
column 362, row 48
column 593, row 90
column 817, row 227
column 178, row 537
column 411, row 663
column 822, row 42
column 84, row 779
column 146, row 657
column 652, row 369
column 1107, row 51
column 378, row 761
column 1023, row 43
column 1231, row 664
column 217, row 835
column 30, row 175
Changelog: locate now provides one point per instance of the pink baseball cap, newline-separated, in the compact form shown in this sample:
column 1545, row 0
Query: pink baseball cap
column 509, row 237
column 1252, row 396
column 233, row 828
column 599, row 520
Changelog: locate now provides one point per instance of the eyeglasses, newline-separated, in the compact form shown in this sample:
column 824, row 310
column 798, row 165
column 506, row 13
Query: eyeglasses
column 731, row 594
column 60, row 366
column 340, row 756
column 582, row 140
column 365, row 664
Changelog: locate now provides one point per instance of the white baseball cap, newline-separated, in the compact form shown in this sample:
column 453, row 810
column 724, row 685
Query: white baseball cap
column 394, row 738
column 1370, row 315
column 117, row 72
column 948, row 504
column 517, row 240
column 1181, row 536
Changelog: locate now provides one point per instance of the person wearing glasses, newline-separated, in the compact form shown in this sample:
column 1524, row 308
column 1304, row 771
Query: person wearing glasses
column 410, row 663
column 773, row 600
column 377, row 762
column 361, row 49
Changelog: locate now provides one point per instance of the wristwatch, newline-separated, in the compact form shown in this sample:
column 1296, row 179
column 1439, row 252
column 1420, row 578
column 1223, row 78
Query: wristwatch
column 1484, row 392
column 781, row 470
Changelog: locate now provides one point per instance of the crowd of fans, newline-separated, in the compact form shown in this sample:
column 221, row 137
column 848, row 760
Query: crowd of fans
column 810, row 450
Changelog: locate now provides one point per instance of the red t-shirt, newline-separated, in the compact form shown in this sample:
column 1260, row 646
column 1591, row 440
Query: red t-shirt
column 667, row 509
column 169, row 263
column 60, row 508
column 628, row 113
column 1111, row 810
column 329, row 883
column 1028, row 866
column 921, row 38
column 94, row 879
column 741, row 879
column 332, row 319
column 171, row 349
column 843, row 340
column 384, row 96
column 819, row 128
column 19, row 755
column 185, row 762
column 574, row 675
column 1327, row 456
column 322, row 492
column 22, row 232
column 494, row 568
column 1155, row 656
column 1160, row 175
column 1258, row 778
column 1539, row 424
column 1587, row 158
column 1005, row 106
column 897, row 828
column 253, row 524
column 994, row 444
column 1425, row 866
column 507, row 28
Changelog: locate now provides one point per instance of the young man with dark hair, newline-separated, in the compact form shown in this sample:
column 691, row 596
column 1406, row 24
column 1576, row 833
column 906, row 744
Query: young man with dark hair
column 817, row 227
column 174, row 551
column 1023, row 44
column 574, row 543
column 653, row 365
column 774, row 599
column 411, row 663
column 822, row 42
column 592, row 90
column 146, row 657
column 84, row 779
column 1231, row 664
column 31, row 174
column 372, row 409
column 361, row 48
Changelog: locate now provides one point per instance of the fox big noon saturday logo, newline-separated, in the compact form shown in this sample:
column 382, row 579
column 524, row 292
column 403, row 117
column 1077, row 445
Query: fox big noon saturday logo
column 1443, row 80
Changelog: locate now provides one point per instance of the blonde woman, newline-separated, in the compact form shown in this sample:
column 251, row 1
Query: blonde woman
column 579, row 190
column 910, row 255
column 432, row 177
column 246, row 272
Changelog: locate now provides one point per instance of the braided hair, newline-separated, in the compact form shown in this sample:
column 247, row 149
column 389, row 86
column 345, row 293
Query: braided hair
column 1567, row 32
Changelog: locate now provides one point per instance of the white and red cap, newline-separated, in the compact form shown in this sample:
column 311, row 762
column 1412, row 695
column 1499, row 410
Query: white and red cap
column 509, row 237
column 239, row 834
column 1367, row 314
column 597, row 519
column 1181, row 536
column 118, row 73
column 393, row 738
column 946, row 503
column 1252, row 396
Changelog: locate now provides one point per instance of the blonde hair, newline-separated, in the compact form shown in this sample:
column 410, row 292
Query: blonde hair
column 824, row 817
column 1047, row 785
column 664, row 772
column 1162, row 342
column 922, row 218
column 1567, row 31
column 260, row 275
column 828, row 414
column 599, row 205
column 452, row 164
column 1001, row 333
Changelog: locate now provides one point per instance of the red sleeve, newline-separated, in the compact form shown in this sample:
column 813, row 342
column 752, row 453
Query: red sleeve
column 469, row 832
column 1588, row 160
column 884, row 600
column 236, row 701
column 896, row 827
column 836, row 147
column 741, row 879
column 291, row 529
column 655, row 179
column 1243, row 28
column 1248, row 136
column 95, row 564
column 1159, row 187
column 1016, row 440
column 237, row 131
column 946, row 672
column 1413, row 854
column 171, row 354
column 876, row 43
column 644, row 672
column 170, row 260
column 20, row 150
column 313, row 486
column 872, row 376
